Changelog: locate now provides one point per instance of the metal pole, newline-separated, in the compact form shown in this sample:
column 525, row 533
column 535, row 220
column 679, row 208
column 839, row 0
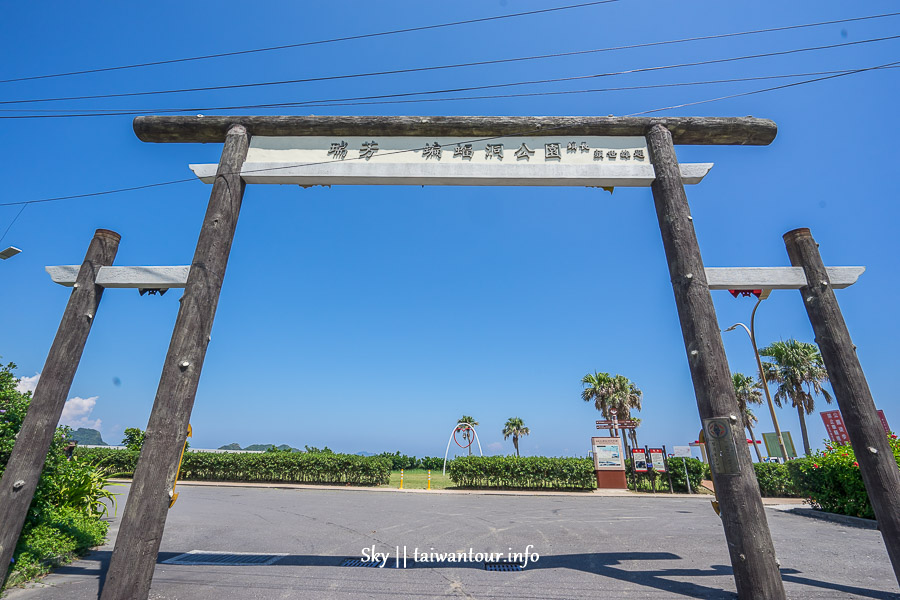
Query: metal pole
column 687, row 477
column 668, row 471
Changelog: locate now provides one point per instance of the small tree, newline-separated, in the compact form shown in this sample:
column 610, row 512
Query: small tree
column 134, row 439
column 515, row 427
column 468, row 433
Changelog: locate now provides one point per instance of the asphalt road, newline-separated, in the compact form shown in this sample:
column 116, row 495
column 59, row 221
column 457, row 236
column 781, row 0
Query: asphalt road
column 589, row 547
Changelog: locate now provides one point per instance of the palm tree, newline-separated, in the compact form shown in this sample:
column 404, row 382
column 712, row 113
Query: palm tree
column 795, row 364
column 747, row 390
column 515, row 428
column 468, row 433
column 598, row 387
column 612, row 392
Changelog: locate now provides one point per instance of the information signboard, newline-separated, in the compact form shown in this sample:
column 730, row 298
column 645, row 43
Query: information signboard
column 834, row 425
column 771, row 442
column 884, row 422
column 607, row 454
column 657, row 459
column 639, row 460
column 681, row 451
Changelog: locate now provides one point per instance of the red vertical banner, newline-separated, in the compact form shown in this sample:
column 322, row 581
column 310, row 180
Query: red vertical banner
column 834, row 425
column 884, row 421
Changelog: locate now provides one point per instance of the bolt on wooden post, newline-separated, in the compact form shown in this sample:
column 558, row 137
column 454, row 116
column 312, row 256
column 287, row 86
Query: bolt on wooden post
column 137, row 545
column 851, row 390
column 756, row 571
column 26, row 462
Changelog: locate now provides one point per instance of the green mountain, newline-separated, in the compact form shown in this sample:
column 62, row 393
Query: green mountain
column 87, row 437
column 234, row 446
column 264, row 447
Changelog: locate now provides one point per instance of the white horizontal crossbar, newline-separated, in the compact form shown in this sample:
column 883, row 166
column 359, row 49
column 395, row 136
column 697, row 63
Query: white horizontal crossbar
column 775, row 278
column 125, row 277
column 543, row 174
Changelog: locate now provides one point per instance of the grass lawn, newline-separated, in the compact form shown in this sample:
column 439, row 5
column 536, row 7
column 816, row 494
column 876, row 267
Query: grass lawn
column 417, row 479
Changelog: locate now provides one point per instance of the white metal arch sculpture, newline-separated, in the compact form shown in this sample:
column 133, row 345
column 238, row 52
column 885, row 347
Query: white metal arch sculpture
column 461, row 425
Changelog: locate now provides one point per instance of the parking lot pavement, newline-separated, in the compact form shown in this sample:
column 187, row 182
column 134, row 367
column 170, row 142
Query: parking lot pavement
column 588, row 547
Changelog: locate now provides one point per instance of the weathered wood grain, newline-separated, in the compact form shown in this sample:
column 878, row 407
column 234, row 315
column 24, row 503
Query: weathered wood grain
column 24, row 467
column 743, row 516
column 137, row 544
column 851, row 390
column 685, row 130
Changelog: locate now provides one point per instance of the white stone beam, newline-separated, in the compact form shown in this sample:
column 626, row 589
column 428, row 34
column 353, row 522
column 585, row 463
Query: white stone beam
column 125, row 277
column 496, row 174
column 774, row 278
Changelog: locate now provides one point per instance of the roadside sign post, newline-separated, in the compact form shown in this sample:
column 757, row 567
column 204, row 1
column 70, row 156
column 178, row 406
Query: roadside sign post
column 684, row 452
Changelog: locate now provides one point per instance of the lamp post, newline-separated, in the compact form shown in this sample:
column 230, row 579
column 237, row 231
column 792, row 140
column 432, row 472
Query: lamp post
column 751, row 331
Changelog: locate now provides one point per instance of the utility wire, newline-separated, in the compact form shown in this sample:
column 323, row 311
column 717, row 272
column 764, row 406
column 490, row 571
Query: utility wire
column 332, row 101
column 420, row 69
column 16, row 218
column 769, row 89
column 177, row 181
column 128, row 112
column 315, row 43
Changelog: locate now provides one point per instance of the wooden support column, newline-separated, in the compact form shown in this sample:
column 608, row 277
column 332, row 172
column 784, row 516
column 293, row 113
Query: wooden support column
column 137, row 545
column 24, row 467
column 750, row 546
column 873, row 452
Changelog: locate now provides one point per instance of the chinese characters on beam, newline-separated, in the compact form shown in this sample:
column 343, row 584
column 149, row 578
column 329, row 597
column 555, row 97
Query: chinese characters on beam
column 552, row 151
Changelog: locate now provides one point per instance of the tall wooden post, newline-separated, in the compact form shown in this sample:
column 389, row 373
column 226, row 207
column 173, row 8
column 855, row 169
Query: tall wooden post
column 137, row 545
column 24, row 467
column 873, row 452
column 743, row 516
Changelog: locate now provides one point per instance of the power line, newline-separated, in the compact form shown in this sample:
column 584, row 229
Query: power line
column 422, row 69
column 424, row 100
column 16, row 218
column 314, row 43
column 359, row 99
column 192, row 179
column 778, row 87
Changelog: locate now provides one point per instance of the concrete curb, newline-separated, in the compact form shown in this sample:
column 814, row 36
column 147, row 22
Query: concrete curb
column 827, row 516
column 348, row 488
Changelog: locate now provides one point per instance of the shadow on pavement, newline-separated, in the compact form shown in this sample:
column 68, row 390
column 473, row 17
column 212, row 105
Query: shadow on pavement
column 604, row 564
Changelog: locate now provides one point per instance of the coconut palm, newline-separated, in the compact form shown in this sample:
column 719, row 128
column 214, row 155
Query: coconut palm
column 598, row 387
column 747, row 390
column 515, row 427
column 612, row 392
column 468, row 434
column 795, row 365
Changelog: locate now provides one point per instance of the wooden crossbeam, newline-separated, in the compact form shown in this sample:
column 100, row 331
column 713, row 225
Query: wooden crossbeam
column 685, row 130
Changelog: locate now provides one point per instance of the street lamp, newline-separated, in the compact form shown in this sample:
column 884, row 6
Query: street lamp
column 751, row 331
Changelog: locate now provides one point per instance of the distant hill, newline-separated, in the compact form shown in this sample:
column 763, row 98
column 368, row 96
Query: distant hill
column 373, row 454
column 234, row 446
column 88, row 437
column 264, row 447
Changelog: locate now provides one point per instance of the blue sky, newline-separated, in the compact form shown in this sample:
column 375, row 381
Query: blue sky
column 371, row 318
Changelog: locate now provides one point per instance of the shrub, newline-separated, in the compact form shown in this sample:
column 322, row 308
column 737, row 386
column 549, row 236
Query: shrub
column 283, row 467
column 60, row 535
column 644, row 481
column 64, row 516
column 434, row 463
column 774, row 480
column 830, row 480
column 523, row 472
column 134, row 439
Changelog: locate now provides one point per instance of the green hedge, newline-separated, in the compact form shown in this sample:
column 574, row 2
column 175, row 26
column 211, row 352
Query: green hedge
column 530, row 472
column 774, row 480
column 830, row 480
column 281, row 467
